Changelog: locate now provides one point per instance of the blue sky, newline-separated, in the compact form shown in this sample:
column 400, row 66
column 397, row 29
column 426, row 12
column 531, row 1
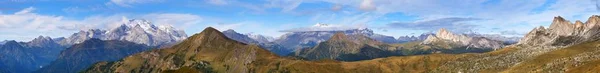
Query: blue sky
column 24, row 20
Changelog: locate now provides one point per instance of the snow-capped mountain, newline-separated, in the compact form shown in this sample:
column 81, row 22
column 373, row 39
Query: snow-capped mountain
column 137, row 30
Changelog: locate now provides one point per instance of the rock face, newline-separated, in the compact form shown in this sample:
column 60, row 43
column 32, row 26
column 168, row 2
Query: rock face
column 446, row 36
column 82, row 55
column 348, row 48
column 25, row 57
column 138, row 31
column 563, row 33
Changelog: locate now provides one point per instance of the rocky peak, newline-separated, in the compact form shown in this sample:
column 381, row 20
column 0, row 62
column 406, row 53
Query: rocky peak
column 592, row 22
column 561, row 26
column 144, row 24
column 578, row 24
column 445, row 34
column 41, row 40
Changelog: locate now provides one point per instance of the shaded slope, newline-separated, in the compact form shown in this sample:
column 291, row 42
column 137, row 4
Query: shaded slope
column 24, row 57
column 80, row 56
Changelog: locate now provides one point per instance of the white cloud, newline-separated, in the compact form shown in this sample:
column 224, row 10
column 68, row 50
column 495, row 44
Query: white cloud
column 367, row 5
column 456, row 24
column 218, row 2
column 251, row 27
column 128, row 3
column 285, row 5
column 177, row 20
column 523, row 14
column 26, row 10
column 323, row 27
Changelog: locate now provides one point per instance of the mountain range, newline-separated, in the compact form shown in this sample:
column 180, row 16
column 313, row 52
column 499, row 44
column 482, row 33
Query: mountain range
column 356, row 47
column 564, row 47
column 24, row 57
column 136, row 30
column 133, row 47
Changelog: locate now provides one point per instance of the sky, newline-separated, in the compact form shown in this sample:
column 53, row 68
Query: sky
column 23, row 20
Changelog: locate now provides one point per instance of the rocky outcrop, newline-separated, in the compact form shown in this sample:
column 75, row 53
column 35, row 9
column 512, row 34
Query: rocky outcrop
column 446, row 36
column 563, row 33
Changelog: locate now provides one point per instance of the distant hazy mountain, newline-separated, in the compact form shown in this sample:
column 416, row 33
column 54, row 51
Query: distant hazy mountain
column 260, row 38
column 240, row 37
column 82, row 55
column 421, row 37
column 252, row 39
column 138, row 31
column 24, row 57
column 497, row 37
column 306, row 39
column 444, row 36
column 348, row 48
